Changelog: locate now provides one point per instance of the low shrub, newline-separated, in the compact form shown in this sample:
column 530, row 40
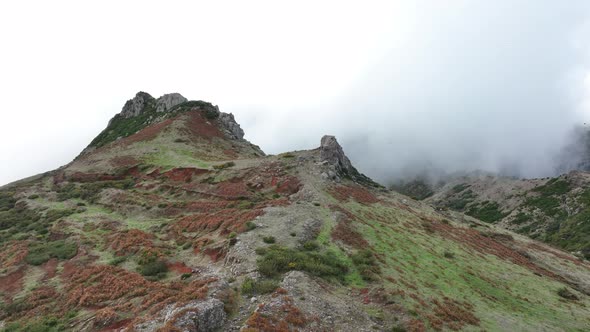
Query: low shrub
column 250, row 226
column 154, row 269
column 245, row 205
column 117, row 260
column 449, row 255
column 276, row 260
column 269, row 239
column 224, row 165
column 311, row 245
column 252, row 287
column 567, row 294
column 366, row 264
column 40, row 253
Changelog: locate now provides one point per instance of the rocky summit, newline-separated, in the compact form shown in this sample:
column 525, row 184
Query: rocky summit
column 171, row 221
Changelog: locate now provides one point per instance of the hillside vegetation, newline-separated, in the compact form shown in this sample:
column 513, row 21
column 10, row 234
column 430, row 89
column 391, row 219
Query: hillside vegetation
column 183, row 226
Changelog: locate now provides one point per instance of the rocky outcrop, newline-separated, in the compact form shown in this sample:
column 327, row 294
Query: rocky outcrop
column 137, row 105
column 230, row 126
column 202, row 316
column 331, row 153
column 167, row 101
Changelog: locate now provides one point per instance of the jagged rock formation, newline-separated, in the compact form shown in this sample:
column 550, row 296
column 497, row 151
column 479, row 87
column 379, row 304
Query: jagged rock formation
column 168, row 101
column 232, row 128
column 141, row 102
column 331, row 152
column 173, row 221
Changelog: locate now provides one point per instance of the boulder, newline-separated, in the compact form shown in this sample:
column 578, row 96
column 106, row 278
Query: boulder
column 201, row 316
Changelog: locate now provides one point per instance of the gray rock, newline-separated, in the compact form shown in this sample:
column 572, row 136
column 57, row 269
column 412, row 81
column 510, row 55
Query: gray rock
column 167, row 101
column 202, row 316
column 231, row 127
column 139, row 103
column 331, row 152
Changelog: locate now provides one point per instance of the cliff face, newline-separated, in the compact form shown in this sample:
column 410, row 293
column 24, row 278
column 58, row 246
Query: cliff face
column 170, row 220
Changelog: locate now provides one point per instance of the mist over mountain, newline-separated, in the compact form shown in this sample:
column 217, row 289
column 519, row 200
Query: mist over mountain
column 496, row 87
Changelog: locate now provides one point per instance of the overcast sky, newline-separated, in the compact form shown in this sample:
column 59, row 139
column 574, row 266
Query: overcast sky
column 455, row 84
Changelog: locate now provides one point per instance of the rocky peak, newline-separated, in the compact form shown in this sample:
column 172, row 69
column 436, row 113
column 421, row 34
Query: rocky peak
column 137, row 105
column 339, row 166
column 331, row 153
column 167, row 101
column 230, row 126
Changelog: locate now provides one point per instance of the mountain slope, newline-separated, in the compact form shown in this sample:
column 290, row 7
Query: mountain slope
column 180, row 224
column 554, row 210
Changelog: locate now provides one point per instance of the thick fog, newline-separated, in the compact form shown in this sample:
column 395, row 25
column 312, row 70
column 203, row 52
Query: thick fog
column 404, row 85
column 496, row 87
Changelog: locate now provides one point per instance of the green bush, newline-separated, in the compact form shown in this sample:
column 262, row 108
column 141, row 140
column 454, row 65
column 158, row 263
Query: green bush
column 449, row 255
column 269, row 239
column 245, row 205
column 555, row 186
column 224, row 165
column 7, row 200
column 521, row 218
column 252, row 287
column 311, row 245
column 460, row 187
column 366, row 264
column 250, row 226
column 276, row 260
column 117, row 260
column 488, row 212
column 156, row 268
column 567, row 294
column 40, row 253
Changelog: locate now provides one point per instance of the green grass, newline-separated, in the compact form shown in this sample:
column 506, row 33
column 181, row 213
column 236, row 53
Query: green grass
column 496, row 288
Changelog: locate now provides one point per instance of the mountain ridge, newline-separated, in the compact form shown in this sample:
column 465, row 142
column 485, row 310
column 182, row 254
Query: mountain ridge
column 175, row 222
